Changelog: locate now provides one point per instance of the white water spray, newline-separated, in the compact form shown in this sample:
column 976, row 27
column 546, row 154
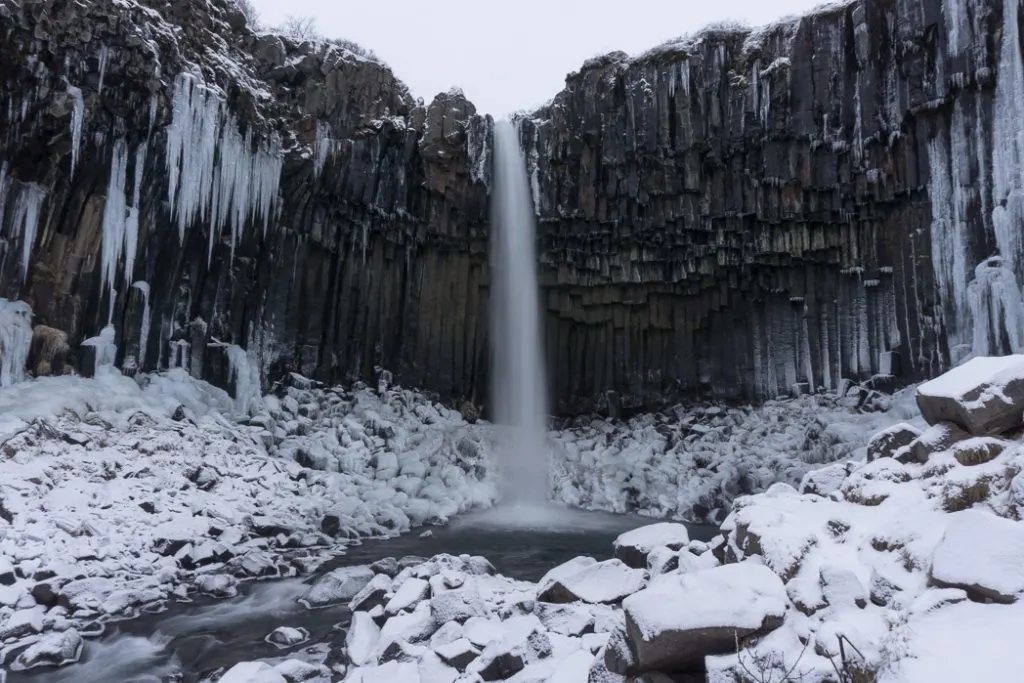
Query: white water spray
column 518, row 388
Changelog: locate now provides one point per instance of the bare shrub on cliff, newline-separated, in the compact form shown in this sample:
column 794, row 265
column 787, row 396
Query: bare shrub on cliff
column 300, row 28
column 252, row 16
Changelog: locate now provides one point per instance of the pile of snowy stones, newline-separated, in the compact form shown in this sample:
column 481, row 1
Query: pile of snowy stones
column 906, row 566
column 119, row 494
column 693, row 461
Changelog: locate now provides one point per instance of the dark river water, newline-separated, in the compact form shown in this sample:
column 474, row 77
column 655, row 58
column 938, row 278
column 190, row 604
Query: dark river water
column 189, row 640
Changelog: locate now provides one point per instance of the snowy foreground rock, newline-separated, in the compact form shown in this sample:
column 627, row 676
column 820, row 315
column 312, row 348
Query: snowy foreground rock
column 906, row 570
column 118, row 495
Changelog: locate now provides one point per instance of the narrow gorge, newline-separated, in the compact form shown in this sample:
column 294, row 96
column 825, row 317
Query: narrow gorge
column 738, row 214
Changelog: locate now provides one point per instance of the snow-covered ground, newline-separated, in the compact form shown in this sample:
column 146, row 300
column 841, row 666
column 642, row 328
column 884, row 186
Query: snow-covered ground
column 120, row 493
column 904, row 566
column 116, row 495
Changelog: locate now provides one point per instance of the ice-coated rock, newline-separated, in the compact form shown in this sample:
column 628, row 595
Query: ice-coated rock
column 672, row 626
column 633, row 546
column 984, row 396
column 287, row 636
column 53, row 649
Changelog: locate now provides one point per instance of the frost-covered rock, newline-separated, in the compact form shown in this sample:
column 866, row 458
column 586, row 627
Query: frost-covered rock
column 984, row 396
column 983, row 554
column 53, row 649
column 936, row 439
column 287, row 636
column 362, row 638
column 458, row 653
column 603, row 582
column 672, row 626
column 633, row 546
column 887, row 442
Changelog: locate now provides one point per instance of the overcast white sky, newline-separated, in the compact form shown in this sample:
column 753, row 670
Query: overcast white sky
column 511, row 55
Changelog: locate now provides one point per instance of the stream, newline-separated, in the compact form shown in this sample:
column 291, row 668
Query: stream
column 190, row 640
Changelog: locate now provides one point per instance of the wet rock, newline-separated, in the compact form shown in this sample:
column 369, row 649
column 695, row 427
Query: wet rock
column 340, row 585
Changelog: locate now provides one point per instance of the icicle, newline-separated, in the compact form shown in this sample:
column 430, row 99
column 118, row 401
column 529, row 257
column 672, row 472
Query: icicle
column 245, row 374
column 3, row 192
column 1008, row 143
column 154, row 102
column 131, row 225
column 25, row 221
column 104, row 58
column 321, row 148
column 105, row 350
column 77, row 119
column 143, row 287
column 997, row 310
column 15, row 340
column 115, row 214
column 212, row 171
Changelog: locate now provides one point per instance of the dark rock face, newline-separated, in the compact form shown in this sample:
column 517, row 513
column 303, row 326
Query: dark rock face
column 374, row 252
column 737, row 215
column 743, row 213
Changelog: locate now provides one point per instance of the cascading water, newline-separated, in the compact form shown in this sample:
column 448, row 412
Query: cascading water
column 518, row 386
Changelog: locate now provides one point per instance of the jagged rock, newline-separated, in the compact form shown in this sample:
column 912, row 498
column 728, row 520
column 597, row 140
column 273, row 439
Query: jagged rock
column 984, row 396
column 887, row 442
column 373, row 594
column 457, row 654
column 252, row 672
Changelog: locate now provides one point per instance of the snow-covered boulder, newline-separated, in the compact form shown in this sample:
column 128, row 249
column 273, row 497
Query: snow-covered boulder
column 633, row 546
column 287, row 636
column 337, row 586
column 825, row 480
column 938, row 438
column 672, row 626
column 985, row 395
column 253, row 672
column 458, row 653
column 604, row 582
column 982, row 554
column 53, row 649
column 887, row 442
column 361, row 639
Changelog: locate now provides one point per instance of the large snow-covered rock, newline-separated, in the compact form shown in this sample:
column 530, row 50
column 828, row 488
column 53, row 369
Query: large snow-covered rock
column 604, row 582
column 985, row 395
column 983, row 554
column 673, row 625
column 253, row 672
column 53, row 649
column 633, row 546
column 337, row 586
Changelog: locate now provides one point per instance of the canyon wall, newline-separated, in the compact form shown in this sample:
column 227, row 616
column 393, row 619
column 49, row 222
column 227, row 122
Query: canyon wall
column 288, row 199
column 738, row 214
column 744, row 213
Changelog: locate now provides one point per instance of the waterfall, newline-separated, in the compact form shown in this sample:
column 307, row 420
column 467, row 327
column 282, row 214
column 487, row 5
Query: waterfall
column 518, row 385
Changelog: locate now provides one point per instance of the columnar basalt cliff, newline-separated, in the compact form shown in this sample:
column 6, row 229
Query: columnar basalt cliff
column 742, row 212
column 738, row 214
column 289, row 199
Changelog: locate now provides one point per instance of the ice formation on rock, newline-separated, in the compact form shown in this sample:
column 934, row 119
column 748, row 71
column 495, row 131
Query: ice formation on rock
column 1008, row 142
column 143, row 287
column 213, row 173
column 115, row 215
column 77, row 119
column 15, row 340
column 105, row 348
column 997, row 310
column 25, row 221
